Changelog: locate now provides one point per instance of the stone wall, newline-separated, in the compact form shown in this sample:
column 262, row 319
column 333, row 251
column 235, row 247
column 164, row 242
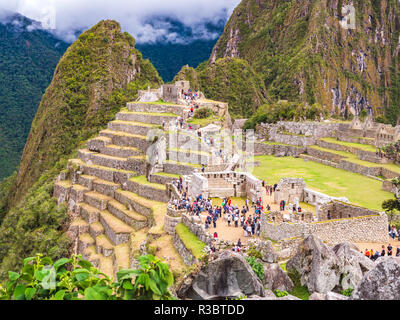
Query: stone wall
column 289, row 189
column 179, row 169
column 324, row 155
column 261, row 149
column 316, row 198
column 196, row 227
column 188, row 157
column 184, row 252
column 356, row 168
column 300, row 141
column 307, row 128
column 388, row 186
column 172, row 219
column 225, row 184
column 340, row 210
column 361, row 229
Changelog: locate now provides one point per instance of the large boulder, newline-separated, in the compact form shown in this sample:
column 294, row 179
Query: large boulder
column 228, row 275
column 268, row 253
column 317, row 265
column 276, row 279
column 355, row 265
column 381, row 283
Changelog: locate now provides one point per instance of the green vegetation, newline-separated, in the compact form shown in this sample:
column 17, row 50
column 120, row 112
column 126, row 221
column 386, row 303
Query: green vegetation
column 348, row 292
column 351, row 157
column 253, row 252
column 143, row 180
column 190, row 241
column 365, row 147
column 298, row 291
column 68, row 115
column 69, row 112
column 27, row 63
column 77, row 279
column 235, row 82
column 358, row 189
column 300, row 54
column 257, row 267
column 281, row 294
column 272, row 113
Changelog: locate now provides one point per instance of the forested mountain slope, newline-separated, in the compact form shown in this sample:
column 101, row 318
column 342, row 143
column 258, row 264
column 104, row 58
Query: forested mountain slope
column 27, row 62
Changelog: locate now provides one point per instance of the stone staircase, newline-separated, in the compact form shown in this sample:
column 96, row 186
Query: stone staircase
column 113, row 208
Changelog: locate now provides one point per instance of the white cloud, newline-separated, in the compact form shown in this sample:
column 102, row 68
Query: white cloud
column 69, row 16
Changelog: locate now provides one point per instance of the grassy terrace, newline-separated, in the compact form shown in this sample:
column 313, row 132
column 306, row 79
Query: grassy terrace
column 351, row 157
column 205, row 122
column 159, row 102
column 191, row 242
column 364, row 147
column 168, row 175
column 143, row 181
column 184, row 164
column 357, row 188
column 272, row 143
column 134, row 123
column 204, row 153
column 166, row 114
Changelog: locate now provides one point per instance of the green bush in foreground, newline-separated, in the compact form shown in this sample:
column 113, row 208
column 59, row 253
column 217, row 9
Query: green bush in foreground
column 77, row 279
column 257, row 267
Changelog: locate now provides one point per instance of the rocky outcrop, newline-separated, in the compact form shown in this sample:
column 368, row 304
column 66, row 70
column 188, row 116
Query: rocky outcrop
column 380, row 283
column 276, row 279
column 317, row 264
column 227, row 275
column 268, row 253
column 330, row 296
column 355, row 265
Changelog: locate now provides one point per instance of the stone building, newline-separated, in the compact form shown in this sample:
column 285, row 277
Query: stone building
column 224, row 184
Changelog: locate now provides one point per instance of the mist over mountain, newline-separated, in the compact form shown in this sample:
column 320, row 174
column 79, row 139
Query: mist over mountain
column 182, row 45
column 28, row 57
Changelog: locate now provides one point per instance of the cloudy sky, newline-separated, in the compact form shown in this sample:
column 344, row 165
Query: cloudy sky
column 69, row 16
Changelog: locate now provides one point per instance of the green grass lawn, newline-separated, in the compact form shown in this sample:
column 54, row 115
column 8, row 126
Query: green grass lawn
column 205, row 122
column 142, row 180
column 190, row 241
column 357, row 188
column 365, row 147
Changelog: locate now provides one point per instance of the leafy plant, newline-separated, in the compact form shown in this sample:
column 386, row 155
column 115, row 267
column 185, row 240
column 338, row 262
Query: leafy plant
column 257, row 267
column 348, row 292
column 281, row 294
column 253, row 252
column 78, row 279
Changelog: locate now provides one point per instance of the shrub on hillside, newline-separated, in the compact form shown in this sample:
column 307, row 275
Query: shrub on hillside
column 203, row 113
column 283, row 110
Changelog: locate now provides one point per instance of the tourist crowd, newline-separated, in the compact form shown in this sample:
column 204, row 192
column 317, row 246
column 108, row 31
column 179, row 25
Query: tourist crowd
column 385, row 251
column 233, row 215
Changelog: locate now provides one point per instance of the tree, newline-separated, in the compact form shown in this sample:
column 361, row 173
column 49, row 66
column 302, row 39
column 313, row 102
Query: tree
column 392, row 206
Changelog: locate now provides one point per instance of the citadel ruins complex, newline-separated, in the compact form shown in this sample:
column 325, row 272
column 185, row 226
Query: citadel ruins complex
column 118, row 190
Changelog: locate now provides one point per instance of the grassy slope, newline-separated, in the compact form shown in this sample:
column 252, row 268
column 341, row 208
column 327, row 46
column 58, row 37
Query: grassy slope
column 334, row 182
